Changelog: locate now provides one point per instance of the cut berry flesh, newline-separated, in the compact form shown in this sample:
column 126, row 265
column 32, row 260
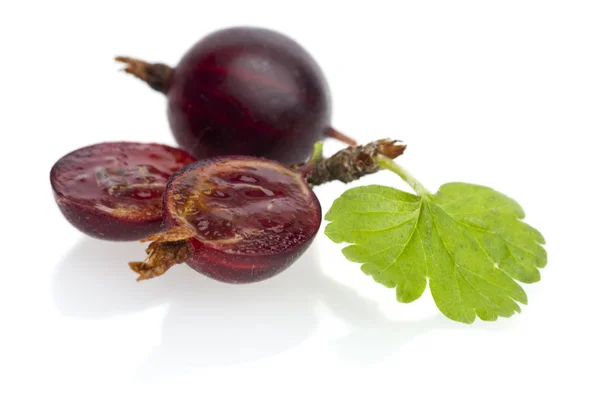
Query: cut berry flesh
column 243, row 219
column 245, row 91
column 114, row 190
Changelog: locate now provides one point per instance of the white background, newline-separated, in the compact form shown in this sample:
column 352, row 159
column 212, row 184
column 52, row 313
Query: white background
column 505, row 94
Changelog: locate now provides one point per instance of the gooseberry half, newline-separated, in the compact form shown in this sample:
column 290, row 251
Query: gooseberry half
column 236, row 219
column 114, row 190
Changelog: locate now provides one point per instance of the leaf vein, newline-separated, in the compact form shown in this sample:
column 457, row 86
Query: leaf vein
column 386, row 228
column 477, row 211
column 467, row 225
column 407, row 240
column 385, row 198
column 435, row 222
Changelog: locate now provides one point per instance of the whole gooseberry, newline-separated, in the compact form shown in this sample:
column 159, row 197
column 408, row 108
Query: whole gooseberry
column 244, row 91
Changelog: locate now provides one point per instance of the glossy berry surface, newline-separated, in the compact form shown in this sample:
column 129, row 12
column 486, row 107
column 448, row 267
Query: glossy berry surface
column 252, row 218
column 249, row 91
column 114, row 190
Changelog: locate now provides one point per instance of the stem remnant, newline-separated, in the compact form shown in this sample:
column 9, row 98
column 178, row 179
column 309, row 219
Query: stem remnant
column 351, row 163
column 157, row 76
column 165, row 250
column 333, row 133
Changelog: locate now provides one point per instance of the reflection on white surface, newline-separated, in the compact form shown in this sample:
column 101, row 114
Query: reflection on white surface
column 209, row 323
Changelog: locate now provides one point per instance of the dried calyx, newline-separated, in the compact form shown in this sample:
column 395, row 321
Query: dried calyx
column 165, row 250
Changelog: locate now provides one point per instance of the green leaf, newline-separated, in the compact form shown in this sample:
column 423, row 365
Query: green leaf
column 467, row 240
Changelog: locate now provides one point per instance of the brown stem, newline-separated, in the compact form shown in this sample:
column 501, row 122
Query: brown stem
column 158, row 76
column 167, row 249
column 351, row 163
column 333, row 133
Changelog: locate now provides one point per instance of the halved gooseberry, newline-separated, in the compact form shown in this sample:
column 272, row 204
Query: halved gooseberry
column 114, row 190
column 237, row 219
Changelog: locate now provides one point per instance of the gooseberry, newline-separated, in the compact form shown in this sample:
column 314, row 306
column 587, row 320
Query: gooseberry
column 236, row 219
column 244, row 91
column 114, row 190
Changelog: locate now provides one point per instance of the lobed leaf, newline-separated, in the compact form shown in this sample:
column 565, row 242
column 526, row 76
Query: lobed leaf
column 467, row 240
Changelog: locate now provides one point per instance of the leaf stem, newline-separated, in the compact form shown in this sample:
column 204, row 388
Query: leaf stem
column 389, row 164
